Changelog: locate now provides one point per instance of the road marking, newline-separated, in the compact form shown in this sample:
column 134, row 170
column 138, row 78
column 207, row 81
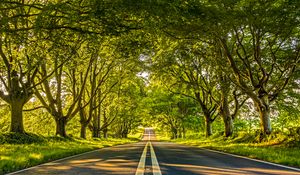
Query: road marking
column 141, row 167
column 155, row 165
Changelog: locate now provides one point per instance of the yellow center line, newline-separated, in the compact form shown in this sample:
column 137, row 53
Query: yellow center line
column 141, row 167
column 155, row 166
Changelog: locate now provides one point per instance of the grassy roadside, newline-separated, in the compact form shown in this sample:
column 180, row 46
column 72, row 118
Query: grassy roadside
column 19, row 152
column 278, row 149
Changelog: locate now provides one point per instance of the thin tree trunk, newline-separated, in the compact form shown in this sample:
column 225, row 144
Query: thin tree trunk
column 105, row 131
column 228, row 125
column 16, row 108
column 184, row 132
column 83, row 130
column 96, row 128
column 97, row 119
column 224, row 105
column 125, row 133
column 208, row 129
column 98, row 125
column 180, row 133
column 61, row 123
column 227, row 118
column 83, row 121
column 96, row 132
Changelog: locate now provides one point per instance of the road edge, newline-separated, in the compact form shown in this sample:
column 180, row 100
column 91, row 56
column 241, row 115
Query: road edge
column 257, row 160
column 64, row 158
column 239, row 156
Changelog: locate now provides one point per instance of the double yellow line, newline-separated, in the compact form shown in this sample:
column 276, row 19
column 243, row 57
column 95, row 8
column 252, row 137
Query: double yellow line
column 155, row 166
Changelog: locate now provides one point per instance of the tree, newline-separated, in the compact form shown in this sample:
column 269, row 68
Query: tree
column 262, row 50
column 128, row 102
column 258, row 40
column 229, row 102
column 21, row 58
column 169, row 111
column 189, row 66
column 101, row 82
column 54, row 95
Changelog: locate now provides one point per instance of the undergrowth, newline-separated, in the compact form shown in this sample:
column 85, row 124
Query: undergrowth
column 282, row 148
column 19, row 151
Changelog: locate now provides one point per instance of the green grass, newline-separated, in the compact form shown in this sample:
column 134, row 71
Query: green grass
column 278, row 149
column 15, row 155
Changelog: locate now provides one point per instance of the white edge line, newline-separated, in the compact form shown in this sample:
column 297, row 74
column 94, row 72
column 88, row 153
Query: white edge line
column 65, row 158
column 257, row 160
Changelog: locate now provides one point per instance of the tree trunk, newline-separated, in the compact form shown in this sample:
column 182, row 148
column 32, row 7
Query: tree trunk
column 16, row 108
column 83, row 130
column 61, row 123
column 174, row 133
column 183, row 132
column 97, row 119
column 96, row 128
column 96, row 124
column 105, row 131
column 264, row 114
column 224, row 107
column 208, row 128
column 125, row 134
column 228, row 125
column 227, row 119
column 207, row 116
column 96, row 132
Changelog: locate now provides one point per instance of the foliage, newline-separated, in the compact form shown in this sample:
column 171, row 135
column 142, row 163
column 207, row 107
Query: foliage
column 106, row 68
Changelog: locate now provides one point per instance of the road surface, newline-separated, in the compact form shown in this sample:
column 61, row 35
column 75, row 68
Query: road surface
column 152, row 157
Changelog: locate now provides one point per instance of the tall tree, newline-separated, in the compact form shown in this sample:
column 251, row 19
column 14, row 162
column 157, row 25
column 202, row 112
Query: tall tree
column 20, row 56
column 128, row 118
column 259, row 42
column 188, row 65
column 54, row 94
column 263, row 51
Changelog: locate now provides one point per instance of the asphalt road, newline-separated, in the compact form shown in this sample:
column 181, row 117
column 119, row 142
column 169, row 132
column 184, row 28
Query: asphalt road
column 152, row 157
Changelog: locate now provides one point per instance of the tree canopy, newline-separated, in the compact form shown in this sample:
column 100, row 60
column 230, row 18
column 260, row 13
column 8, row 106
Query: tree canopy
column 108, row 67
